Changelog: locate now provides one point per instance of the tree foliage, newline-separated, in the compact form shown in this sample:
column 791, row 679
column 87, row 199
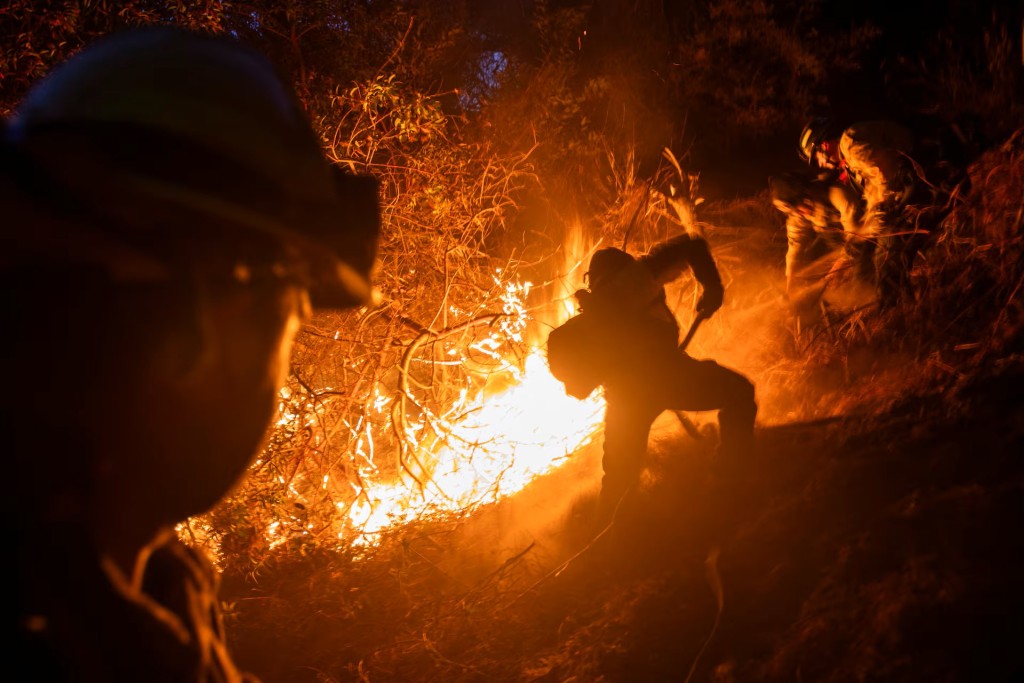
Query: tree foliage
column 747, row 69
column 36, row 35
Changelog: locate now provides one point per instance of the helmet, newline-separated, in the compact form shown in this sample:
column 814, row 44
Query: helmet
column 202, row 123
column 605, row 263
column 815, row 132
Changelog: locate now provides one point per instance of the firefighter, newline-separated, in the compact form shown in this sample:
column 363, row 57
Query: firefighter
column 640, row 365
column 169, row 220
column 875, row 160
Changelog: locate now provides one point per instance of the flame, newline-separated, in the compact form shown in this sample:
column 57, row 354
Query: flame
column 488, row 444
column 494, row 444
column 502, row 443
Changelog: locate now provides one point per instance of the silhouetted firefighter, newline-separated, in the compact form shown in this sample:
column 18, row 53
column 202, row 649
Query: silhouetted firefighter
column 626, row 339
column 168, row 218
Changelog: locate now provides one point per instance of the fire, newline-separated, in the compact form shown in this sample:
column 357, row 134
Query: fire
column 509, row 421
column 502, row 444
column 489, row 444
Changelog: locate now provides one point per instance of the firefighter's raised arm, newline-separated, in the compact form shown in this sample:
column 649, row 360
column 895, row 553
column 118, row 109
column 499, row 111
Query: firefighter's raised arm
column 668, row 260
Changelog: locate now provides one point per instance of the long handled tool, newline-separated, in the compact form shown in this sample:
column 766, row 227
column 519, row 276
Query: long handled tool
column 687, row 423
column 701, row 317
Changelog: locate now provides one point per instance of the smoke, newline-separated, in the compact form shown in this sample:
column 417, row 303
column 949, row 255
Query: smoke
column 552, row 301
column 534, row 529
column 756, row 332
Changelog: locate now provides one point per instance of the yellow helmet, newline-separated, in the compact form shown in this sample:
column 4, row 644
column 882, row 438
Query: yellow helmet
column 813, row 134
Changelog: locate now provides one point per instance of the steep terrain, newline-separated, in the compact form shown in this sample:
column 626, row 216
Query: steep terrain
column 873, row 536
column 882, row 547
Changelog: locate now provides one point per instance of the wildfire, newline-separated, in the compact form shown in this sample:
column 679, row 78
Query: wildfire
column 508, row 422
column 496, row 449
column 489, row 444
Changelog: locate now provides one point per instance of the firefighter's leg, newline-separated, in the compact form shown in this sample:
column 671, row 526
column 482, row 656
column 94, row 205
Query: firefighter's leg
column 855, row 263
column 893, row 228
column 626, row 429
column 799, row 234
column 864, row 246
column 804, row 284
column 705, row 385
column 895, row 259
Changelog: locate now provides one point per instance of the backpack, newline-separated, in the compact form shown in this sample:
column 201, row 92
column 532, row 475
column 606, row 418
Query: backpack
column 575, row 355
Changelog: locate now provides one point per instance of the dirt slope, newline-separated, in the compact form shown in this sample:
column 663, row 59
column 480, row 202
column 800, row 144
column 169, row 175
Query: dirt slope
column 874, row 536
column 876, row 548
column 882, row 548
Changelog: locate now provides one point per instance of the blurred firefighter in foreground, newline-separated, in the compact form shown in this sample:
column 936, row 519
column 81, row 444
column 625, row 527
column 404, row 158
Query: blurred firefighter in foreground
column 626, row 339
column 904, row 185
column 169, row 218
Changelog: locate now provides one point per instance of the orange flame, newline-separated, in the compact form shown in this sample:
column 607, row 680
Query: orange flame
column 485, row 446
column 502, row 443
column 495, row 444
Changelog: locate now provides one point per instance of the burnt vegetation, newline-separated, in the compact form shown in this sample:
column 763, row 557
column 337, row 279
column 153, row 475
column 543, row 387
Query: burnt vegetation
column 878, row 535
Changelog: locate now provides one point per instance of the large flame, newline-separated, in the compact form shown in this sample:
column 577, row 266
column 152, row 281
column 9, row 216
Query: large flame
column 503, row 442
column 494, row 444
column 488, row 444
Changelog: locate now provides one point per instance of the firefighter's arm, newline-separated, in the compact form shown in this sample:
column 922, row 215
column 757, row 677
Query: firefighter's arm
column 800, row 234
column 667, row 261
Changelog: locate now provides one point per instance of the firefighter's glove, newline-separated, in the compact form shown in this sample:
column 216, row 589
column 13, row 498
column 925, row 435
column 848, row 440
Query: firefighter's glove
column 710, row 300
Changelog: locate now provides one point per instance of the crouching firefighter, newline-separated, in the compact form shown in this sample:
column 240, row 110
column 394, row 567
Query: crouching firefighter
column 626, row 339
column 815, row 209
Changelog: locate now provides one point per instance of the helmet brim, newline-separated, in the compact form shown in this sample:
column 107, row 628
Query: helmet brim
column 337, row 244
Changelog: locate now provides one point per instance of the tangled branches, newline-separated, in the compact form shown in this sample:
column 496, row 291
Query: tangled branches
column 371, row 390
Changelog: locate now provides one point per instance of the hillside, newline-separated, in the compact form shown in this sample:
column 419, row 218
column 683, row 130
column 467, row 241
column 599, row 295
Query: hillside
column 874, row 535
